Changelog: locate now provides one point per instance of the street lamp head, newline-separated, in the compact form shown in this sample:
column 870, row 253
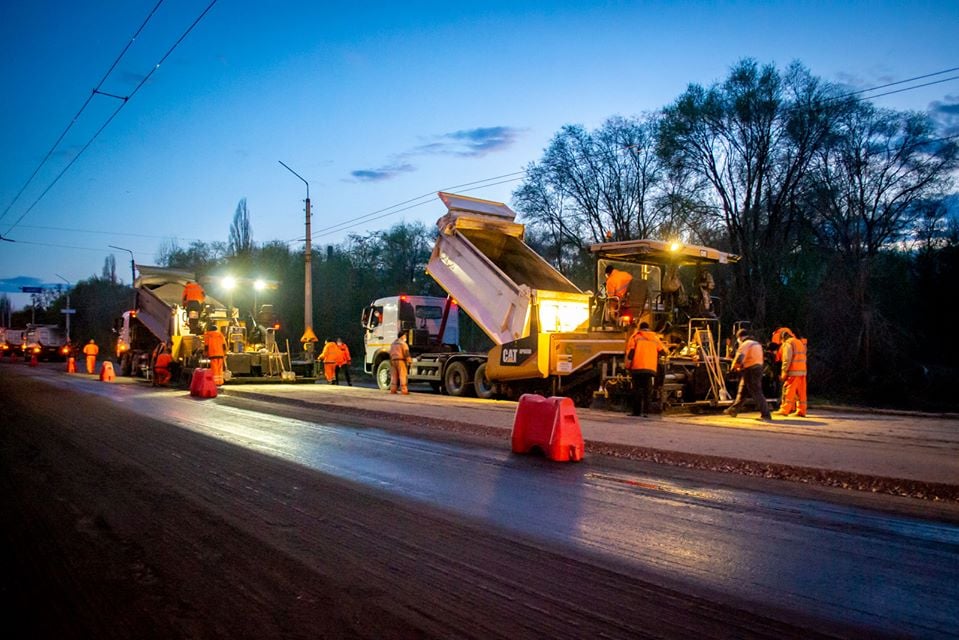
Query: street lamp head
column 228, row 283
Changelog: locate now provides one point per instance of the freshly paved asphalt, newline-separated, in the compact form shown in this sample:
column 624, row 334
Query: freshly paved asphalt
column 899, row 453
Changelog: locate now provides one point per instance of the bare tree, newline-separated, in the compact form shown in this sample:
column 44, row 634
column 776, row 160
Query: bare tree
column 752, row 139
column 600, row 185
column 870, row 191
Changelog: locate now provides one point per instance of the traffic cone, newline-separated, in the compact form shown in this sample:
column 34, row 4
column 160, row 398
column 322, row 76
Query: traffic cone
column 33, row 360
column 71, row 365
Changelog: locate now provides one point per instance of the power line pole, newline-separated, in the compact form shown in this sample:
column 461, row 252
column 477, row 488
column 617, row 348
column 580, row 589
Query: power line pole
column 308, row 337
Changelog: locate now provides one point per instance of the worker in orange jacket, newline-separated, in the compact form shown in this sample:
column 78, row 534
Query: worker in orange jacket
column 642, row 359
column 194, row 297
column 90, row 350
column 793, row 375
column 215, row 345
column 161, row 367
column 343, row 364
column 400, row 362
column 749, row 359
column 330, row 357
column 617, row 286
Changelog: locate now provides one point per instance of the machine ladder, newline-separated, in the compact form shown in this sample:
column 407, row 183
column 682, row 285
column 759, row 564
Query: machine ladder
column 707, row 350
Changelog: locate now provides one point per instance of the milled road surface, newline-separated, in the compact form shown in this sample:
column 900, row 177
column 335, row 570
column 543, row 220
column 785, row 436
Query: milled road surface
column 181, row 526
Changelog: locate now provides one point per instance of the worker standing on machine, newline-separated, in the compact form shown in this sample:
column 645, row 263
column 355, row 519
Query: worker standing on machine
column 194, row 297
column 617, row 288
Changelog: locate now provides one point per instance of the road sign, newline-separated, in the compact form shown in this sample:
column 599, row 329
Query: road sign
column 31, row 289
column 68, row 311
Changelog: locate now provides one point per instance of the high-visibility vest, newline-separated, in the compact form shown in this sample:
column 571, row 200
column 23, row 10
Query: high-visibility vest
column 215, row 344
column 617, row 283
column 645, row 346
column 794, row 357
column 750, row 354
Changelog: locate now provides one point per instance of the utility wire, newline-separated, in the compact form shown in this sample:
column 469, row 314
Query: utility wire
column 369, row 217
column 94, row 92
column 114, row 114
column 110, row 233
column 351, row 224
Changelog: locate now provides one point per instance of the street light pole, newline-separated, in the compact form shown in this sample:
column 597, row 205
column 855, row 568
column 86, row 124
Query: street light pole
column 68, row 311
column 308, row 276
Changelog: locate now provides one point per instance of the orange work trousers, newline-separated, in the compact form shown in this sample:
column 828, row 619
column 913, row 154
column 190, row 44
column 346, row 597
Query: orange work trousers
column 398, row 376
column 216, row 366
column 91, row 364
column 794, row 395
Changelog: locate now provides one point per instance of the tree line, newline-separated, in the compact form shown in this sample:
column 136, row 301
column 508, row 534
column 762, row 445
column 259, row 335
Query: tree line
column 838, row 209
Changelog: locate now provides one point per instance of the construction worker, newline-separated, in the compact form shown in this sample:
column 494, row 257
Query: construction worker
column 194, row 297
column 343, row 364
column 749, row 360
column 90, row 350
column 400, row 361
column 793, row 375
column 215, row 346
column 330, row 357
column 161, row 367
column 642, row 358
column 617, row 288
column 705, row 284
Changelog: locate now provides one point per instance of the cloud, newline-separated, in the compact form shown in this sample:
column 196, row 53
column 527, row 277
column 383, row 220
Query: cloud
column 945, row 113
column 472, row 143
column 466, row 143
column 383, row 173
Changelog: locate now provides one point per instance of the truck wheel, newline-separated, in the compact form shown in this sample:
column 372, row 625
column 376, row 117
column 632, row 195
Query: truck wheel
column 481, row 384
column 456, row 380
column 383, row 375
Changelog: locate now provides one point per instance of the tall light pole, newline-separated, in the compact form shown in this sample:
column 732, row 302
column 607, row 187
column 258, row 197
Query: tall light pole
column 68, row 311
column 308, row 336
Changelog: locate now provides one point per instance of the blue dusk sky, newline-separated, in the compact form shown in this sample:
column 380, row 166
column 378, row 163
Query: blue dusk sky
column 373, row 103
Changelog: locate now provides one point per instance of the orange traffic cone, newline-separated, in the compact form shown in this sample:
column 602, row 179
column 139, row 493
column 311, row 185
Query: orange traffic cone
column 33, row 360
column 71, row 365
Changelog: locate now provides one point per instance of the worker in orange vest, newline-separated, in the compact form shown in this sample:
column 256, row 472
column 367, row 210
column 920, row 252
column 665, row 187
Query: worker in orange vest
column 330, row 357
column 749, row 359
column 194, row 297
column 161, row 367
column 215, row 345
column 793, row 375
column 90, row 350
column 343, row 364
column 400, row 362
column 642, row 359
column 617, row 286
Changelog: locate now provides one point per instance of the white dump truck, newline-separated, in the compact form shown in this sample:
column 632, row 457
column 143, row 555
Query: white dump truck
column 549, row 336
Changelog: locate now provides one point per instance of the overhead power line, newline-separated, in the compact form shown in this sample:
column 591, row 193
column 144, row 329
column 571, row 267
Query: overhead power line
column 406, row 205
column 94, row 92
column 124, row 102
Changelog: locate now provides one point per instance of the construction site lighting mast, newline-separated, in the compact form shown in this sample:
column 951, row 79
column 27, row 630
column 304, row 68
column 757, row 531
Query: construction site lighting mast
column 308, row 276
